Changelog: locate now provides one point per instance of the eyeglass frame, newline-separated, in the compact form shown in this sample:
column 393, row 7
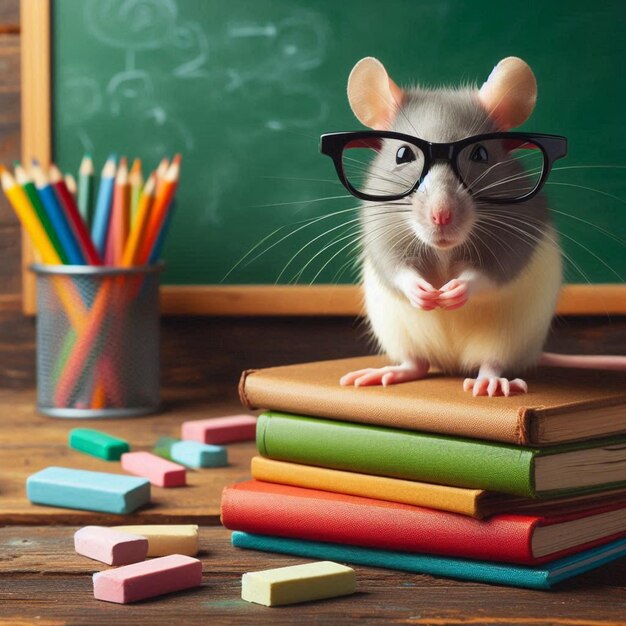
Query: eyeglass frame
column 553, row 147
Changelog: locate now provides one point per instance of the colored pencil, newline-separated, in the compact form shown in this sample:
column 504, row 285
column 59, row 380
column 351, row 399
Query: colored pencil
column 85, row 189
column 155, row 254
column 73, row 217
column 70, row 183
column 28, row 217
column 120, row 216
column 102, row 212
column 135, row 178
column 57, row 216
column 137, row 232
column 28, row 186
column 165, row 193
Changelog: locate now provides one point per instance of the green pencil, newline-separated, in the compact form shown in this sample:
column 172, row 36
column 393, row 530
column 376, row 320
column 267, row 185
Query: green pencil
column 30, row 190
column 135, row 179
column 85, row 190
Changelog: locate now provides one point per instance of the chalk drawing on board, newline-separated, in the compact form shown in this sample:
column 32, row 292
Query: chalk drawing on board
column 82, row 95
column 190, row 37
column 137, row 24
column 127, row 86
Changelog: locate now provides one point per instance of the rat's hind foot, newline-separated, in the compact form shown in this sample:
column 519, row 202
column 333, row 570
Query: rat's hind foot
column 494, row 386
column 389, row 375
column 489, row 382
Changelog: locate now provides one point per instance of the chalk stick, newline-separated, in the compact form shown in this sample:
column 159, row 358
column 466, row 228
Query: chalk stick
column 191, row 453
column 220, row 429
column 298, row 583
column 97, row 443
column 90, row 491
column 139, row 581
column 164, row 539
column 110, row 546
column 163, row 447
column 158, row 471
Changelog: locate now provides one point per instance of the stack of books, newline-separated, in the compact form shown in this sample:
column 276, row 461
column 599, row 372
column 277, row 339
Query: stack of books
column 524, row 491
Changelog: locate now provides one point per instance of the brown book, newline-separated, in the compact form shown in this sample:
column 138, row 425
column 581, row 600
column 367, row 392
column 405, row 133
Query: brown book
column 561, row 405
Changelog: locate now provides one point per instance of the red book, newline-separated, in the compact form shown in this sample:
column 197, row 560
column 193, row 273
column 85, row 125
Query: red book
column 286, row 511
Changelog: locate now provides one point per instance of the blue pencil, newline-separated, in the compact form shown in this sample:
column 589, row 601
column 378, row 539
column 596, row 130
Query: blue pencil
column 102, row 213
column 57, row 216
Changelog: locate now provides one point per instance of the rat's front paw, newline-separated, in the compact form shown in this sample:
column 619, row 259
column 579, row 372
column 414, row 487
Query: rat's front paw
column 422, row 295
column 453, row 294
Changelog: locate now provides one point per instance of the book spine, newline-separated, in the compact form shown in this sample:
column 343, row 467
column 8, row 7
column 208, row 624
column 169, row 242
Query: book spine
column 461, row 569
column 302, row 514
column 396, row 453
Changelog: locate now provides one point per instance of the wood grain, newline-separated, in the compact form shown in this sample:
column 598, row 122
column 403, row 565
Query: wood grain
column 42, row 576
column 40, row 441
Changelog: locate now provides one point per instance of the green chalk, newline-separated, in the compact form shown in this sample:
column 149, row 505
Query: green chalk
column 97, row 443
column 163, row 447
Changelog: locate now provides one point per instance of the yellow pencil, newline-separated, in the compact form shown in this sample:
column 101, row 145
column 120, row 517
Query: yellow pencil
column 138, row 230
column 28, row 217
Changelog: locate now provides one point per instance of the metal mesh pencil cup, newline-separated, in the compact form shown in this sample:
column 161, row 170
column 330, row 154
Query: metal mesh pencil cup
column 97, row 340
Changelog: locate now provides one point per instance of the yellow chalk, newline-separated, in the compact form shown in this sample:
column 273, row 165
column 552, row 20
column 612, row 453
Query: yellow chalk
column 165, row 539
column 298, row 583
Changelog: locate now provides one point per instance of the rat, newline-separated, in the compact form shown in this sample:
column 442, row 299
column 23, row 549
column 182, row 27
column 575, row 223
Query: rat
column 451, row 281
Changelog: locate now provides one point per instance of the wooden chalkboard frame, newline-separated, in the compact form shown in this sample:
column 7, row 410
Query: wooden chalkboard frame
column 36, row 48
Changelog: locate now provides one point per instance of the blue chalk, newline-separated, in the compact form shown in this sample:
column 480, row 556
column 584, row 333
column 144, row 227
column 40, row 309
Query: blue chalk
column 196, row 454
column 90, row 491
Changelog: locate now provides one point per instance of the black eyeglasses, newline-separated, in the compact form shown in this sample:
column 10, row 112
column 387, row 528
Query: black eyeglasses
column 499, row 167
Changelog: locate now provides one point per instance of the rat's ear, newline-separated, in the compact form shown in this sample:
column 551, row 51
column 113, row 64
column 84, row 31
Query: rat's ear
column 373, row 96
column 510, row 93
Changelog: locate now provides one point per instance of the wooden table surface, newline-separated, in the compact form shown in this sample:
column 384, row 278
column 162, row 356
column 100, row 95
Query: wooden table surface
column 44, row 582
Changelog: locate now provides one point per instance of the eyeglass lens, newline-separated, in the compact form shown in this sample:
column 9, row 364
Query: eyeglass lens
column 501, row 169
column 382, row 167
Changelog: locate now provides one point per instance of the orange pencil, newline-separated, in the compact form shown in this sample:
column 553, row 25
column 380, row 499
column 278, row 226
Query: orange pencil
column 164, row 194
column 138, row 230
column 120, row 216
column 160, row 172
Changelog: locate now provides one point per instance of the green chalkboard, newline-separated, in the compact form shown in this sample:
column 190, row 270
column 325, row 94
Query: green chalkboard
column 244, row 88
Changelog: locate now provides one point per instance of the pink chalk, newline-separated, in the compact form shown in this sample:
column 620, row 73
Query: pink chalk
column 221, row 429
column 148, row 579
column 110, row 546
column 158, row 471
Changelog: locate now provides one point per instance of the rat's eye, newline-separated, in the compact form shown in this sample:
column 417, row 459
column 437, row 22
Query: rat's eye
column 479, row 154
column 404, row 155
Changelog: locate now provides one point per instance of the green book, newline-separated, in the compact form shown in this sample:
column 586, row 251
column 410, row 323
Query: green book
column 472, row 463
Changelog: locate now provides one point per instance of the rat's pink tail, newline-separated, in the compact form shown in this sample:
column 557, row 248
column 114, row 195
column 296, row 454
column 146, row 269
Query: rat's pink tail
column 583, row 361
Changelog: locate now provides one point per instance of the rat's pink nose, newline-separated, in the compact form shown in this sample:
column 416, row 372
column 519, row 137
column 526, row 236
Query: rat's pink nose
column 442, row 215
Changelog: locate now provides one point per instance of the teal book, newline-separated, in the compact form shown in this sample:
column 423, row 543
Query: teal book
column 460, row 462
column 544, row 576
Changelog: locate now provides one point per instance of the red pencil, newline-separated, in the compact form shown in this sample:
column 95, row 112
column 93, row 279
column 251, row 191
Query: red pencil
column 73, row 216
